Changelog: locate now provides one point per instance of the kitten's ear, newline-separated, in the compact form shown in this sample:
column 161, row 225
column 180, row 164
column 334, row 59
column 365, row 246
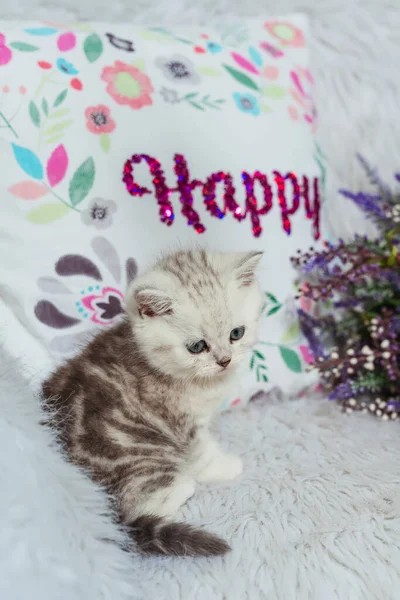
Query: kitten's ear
column 246, row 266
column 152, row 302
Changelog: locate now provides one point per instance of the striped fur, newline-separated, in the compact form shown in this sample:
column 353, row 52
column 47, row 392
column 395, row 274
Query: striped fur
column 137, row 420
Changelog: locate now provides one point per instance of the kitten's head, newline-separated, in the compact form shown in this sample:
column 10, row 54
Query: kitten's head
column 195, row 314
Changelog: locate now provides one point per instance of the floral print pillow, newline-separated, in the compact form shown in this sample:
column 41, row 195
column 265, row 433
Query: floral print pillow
column 107, row 134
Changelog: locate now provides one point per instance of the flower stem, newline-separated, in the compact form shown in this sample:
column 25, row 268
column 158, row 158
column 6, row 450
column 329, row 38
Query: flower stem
column 45, row 79
column 271, row 345
column 8, row 124
column 60, row 199
column 40, row 137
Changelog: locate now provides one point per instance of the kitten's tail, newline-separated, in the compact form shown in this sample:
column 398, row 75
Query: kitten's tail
column 155, row 535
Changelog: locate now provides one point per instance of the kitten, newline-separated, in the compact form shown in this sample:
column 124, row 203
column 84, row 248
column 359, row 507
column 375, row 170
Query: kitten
column 134, row 407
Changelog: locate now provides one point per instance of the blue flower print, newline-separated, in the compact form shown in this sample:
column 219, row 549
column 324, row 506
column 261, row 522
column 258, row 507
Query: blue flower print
column 247, row 103
column 66, row 67
column 213, row 47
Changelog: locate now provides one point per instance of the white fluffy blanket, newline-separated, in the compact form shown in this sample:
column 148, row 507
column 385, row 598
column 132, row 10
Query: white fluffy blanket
column 57, row 540
column 315, row 515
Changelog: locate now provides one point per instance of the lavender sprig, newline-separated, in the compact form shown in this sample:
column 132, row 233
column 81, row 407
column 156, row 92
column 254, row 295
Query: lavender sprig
column 355, row 339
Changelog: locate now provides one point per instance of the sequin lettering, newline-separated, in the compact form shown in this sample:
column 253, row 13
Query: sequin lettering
column 287, row 190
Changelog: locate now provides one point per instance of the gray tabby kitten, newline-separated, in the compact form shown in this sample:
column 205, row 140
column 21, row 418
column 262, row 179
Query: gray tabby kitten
column 134, row 407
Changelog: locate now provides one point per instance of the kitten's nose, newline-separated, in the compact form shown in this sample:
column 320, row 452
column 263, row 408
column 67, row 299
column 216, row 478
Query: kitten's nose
column 224, row 362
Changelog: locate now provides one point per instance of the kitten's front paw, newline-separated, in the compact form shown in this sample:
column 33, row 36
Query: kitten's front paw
column 224, row 467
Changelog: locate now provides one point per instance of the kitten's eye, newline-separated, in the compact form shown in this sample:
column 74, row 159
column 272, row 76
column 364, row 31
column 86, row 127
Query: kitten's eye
column 197, row 347
column 237, row 334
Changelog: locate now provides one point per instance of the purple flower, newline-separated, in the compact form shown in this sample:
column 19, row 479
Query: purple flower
column 356, row 285
column 375, row 178
column 369, row 203
column 310, row 327
column 342, row 391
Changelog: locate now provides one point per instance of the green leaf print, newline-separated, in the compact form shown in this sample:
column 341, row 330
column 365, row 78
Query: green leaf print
column 60, row 98
column 22, row 47
column 261, row 374
column 34, row 113
column 210, row 71
column 105, row 142
column 93, row 47
column 292, row 333
column 291, row 359
column 201, row 103
column 271, row 310
column 258, row 366
column 271, row 297
column 47, row 213
column 54, row 139
column 252, row 362
column 45, row 107
column 241, row 77
column 273, row 91
column 82, row 182
column 58, row 127
column 183, row 40
column 59, row 113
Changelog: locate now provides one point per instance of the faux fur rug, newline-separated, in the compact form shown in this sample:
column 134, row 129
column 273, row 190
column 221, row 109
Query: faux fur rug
column 316, row 514
column 57, row 540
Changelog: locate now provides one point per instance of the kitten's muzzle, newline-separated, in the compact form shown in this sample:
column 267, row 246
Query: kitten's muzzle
column 224, row 362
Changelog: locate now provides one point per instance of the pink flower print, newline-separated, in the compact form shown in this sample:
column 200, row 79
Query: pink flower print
column 293, row 112
column 43, row 64
column 305, row 303
column 77, row 311
column 235, row 402
column 286, row 33
column 306, row 354
column 127, row 85
column 5, row 51
column 104, row 307
column 270, row 72
column 66, row 41
column 301, row 92
column 98, row 119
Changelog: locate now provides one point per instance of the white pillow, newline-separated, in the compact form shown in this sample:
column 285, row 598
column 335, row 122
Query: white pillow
column 212, row 118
